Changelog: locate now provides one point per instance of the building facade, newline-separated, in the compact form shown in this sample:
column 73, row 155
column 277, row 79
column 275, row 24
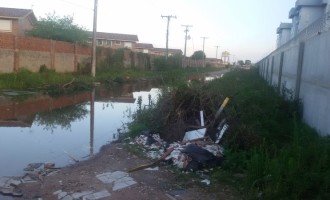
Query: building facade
column 114, row 40
column 305, row 13
column 16, row 21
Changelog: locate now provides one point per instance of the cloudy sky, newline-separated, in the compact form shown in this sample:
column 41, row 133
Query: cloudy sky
column 245, row 28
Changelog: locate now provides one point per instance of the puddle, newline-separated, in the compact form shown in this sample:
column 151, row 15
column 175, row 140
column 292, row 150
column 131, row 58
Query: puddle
column 44, row 129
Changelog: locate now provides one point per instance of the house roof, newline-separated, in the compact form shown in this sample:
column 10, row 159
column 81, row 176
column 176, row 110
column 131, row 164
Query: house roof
column 115, row 36
column 15, row 13
column 163, row 50
column 144, row 46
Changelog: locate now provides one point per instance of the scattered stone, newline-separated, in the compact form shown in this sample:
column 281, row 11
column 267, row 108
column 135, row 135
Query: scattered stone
column 123, row 183
column 97, row 195
column 61, row 195
column 33, row 166
column 118, row 178
column 78, row 195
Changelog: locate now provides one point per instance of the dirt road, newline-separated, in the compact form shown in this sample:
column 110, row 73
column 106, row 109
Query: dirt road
column 84, row 178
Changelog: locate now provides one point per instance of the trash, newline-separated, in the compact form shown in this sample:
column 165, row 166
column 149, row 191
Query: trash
column 196, row 151
column 223, row 130
column 206, row 181
column 163, row 157
column 193, row 135
column 152, row 169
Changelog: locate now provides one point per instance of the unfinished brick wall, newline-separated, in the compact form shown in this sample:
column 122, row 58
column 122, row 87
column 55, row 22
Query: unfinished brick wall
column 30, row 53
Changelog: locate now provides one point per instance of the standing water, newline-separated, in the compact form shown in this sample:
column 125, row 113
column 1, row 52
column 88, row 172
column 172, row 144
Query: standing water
column 39, row 128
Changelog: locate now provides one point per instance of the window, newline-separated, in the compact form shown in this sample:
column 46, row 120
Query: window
column 5, row 25
column 109, row 42
column 117, row 42
column 99, row 42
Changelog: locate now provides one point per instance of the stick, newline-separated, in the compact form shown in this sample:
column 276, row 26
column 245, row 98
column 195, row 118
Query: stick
column 75, row 160
column 224, row 103
column 168, row 152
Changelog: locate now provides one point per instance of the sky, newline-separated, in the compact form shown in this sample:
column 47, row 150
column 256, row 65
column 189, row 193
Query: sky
column 245, row 28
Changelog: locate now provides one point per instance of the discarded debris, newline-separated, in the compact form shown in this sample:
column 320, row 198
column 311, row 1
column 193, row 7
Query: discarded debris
column 8, row 186
column 119, row 179
column 85, row 195
column 196, row 151
column 206, row 181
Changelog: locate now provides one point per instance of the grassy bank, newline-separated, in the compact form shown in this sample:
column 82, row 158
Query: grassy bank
column 25, row 79
column 270, row 152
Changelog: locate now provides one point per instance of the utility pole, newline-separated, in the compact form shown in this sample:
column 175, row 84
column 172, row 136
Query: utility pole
column 94, row 39
column 186, row 37
column 203, row 50
column 167, row 31
column 216, row 54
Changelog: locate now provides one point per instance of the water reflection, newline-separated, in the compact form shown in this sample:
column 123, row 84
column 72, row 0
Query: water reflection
column 45, row 129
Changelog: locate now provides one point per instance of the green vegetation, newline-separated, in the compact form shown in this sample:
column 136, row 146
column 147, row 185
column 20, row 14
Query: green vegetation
column 270, row 152
column 59, row 28
column 198, row 55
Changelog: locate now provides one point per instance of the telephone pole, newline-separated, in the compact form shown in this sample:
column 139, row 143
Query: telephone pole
column 216, row 54
column 94, row 39
column 167, row 31
column 185, row 40
column 203, row 50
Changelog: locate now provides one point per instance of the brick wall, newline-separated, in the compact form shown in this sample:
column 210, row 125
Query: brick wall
column 6, row 41
column 29, row 52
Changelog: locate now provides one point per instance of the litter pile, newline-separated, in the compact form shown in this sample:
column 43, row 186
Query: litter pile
column 196, row 151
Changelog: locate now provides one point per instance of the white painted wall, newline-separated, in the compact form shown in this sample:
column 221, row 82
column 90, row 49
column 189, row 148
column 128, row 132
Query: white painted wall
column 315, row 78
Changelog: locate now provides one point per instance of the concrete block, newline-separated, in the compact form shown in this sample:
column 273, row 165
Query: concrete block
column 97, row 195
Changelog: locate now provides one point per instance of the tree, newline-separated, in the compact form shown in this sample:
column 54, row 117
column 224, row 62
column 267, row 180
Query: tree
column 59, row 28
column 198, row 55
column 240, row 62
column 247, row 62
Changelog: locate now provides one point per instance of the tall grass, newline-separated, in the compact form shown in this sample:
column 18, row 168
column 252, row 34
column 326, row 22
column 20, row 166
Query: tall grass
column 281, row 156
column 276, row 155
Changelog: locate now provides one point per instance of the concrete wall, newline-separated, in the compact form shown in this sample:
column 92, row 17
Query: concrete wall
column 30, row 53
column 308, row 15
column 301, row 70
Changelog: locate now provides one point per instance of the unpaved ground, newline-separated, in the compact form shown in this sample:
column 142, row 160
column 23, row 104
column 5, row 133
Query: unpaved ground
column 159, row 184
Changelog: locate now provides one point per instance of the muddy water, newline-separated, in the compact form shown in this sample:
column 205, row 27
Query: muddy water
column 38, row 128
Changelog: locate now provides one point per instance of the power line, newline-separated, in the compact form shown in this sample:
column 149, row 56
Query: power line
column 185, row 40
column 167, row 30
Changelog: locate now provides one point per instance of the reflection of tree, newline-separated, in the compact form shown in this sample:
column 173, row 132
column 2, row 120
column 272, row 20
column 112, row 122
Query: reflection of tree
column 61, row 117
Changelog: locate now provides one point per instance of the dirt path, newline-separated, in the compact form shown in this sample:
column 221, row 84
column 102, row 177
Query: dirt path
column 115, row 158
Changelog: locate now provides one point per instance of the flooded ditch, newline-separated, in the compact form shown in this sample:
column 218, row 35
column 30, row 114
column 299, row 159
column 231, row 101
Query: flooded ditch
column 37, row 128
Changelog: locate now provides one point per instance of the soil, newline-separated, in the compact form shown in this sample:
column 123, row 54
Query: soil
column 159, row 184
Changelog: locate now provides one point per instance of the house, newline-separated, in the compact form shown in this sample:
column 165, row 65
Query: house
column 284, row 33
column 114, row 40
column 16, row 21
column 143, row 47
column 162, row 52
column 214, row 62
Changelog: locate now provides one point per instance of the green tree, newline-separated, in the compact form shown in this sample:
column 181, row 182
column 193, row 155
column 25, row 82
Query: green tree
column 198, row 55
column 59, row 28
